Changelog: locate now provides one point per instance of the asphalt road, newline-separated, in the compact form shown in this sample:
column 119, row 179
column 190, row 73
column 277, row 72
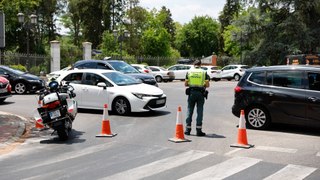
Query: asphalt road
column 142, row 150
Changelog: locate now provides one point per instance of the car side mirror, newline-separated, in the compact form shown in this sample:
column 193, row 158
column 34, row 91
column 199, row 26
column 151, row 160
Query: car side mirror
column 102, row 84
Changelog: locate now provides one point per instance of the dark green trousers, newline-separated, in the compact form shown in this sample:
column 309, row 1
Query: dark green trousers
column 195, row 99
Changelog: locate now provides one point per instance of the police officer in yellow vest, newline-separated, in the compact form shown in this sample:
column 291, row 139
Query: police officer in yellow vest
column 197, row 80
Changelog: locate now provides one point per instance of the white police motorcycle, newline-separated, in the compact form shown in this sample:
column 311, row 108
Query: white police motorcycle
column 57, row 108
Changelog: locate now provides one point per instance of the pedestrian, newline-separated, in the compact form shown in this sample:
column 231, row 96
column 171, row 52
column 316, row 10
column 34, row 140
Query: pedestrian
column 197, row 80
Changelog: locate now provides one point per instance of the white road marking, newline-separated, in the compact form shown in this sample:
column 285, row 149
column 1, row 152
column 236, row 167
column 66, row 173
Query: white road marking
column 318, row 154
column 292, row 172
column 71, row 155
column 233, row 151
column 159, row 166
column 276, row 149
column 224, row 169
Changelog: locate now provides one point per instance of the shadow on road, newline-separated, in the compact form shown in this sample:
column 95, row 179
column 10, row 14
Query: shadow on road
column 73, row 138
column 295, row 129
column 134, row 114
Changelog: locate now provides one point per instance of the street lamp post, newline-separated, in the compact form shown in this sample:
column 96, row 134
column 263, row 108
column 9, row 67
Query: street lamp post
column 241, row 38
column 121, row 36
column 32, row 20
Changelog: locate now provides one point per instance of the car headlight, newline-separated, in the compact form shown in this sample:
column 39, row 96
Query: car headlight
column 140, row 95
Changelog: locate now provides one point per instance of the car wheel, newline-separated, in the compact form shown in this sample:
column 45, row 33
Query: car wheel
column 20, row 88
column 121, row 106
column 258, row 118
column 158, row 78
column 237, row 77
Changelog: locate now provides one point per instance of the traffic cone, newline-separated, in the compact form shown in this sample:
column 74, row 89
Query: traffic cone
column 39, row 124
column 242, row 133
column 179, row 137
column 105, row 130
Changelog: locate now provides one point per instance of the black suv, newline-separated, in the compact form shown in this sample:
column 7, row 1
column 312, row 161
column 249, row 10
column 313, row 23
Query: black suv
column 115, row 65
column 281, row 94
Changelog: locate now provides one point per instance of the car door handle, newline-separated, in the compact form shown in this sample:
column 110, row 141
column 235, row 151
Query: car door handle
column 270, row 93
column 313, row 99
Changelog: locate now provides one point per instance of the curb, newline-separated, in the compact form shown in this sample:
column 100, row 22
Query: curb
column 21, row 121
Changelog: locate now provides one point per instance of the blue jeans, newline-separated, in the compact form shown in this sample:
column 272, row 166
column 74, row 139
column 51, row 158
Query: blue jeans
column 195, row 98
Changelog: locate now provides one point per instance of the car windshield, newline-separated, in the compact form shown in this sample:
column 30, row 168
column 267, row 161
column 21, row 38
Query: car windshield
column 121, row 79
column 15, row 71
column 123, row 67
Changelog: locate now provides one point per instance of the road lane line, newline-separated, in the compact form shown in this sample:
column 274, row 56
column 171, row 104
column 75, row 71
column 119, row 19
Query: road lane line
column 318, row 154
column 159, row 166
column 276, row 149
column 224, row 169
column 292, row 172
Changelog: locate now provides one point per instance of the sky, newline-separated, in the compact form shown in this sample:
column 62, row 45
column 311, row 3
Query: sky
column 183, row 11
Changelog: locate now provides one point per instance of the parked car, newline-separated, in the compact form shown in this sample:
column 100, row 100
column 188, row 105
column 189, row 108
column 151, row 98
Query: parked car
column 115, row 65
column 22, row 82
column 162, row 74
column 123, row 93
column 279, row 94
column 55, row 74
column 180, row 71
column 5, row 89
column 142, row 68
column 211, row 70
column 230, row 72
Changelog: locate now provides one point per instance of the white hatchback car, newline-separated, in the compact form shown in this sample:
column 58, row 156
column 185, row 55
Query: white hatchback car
column 230, row 72
column 180, row 71
column 123, row 93
column 211, row 70
column 162, row 74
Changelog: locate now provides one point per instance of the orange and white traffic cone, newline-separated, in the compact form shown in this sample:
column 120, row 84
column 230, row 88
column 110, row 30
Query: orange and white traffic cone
column 38, row 121
column 179, row 137
column 242, row 133
column 105, row 130
column 39, row 124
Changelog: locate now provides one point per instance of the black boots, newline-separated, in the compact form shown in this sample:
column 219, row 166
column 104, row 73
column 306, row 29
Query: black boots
column 187, row 131
column 200, row 133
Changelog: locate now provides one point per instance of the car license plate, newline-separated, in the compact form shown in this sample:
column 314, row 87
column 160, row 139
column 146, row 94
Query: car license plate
column 3, row 90
column 54, row 114
column 160, row 101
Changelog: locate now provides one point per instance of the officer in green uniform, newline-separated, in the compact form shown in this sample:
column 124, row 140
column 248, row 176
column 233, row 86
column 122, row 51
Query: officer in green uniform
column 197, row 80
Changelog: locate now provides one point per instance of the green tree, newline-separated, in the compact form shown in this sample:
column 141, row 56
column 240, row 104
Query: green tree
column 230, row 10
column 199, row 38
column 165, row 17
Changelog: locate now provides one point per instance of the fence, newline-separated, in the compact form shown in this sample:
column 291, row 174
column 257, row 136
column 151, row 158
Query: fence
column 33, row 63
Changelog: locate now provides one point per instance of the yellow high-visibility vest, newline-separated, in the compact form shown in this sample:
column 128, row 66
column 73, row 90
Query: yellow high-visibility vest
column 196, row 77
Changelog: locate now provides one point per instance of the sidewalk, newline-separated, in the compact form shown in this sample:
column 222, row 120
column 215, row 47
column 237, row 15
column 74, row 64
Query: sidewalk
column 12, row 128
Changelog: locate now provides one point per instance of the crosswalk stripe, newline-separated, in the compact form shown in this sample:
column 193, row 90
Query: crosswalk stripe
column 159, row 166
column 292, row 172
column 276, row 149
column 224, row 169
